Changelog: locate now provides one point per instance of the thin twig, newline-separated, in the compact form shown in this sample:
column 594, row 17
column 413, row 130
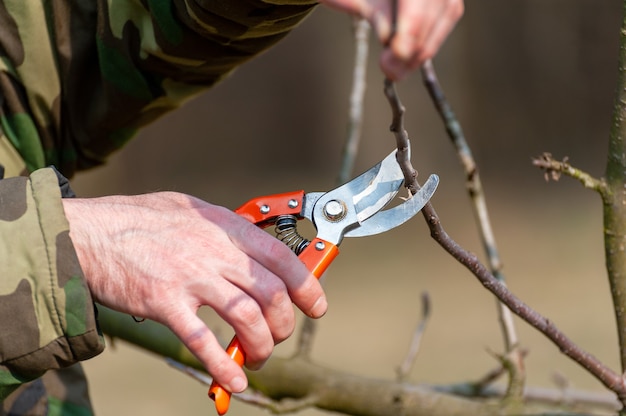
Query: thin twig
column 403, row 144
column 404, row 368
column 359, row 84
column 479, row 204
column 249, row 396
column 569, row 397
column 197, row 375
column 553, row 169
column 351, row 146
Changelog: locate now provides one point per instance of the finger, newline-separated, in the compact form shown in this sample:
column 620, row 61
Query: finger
column 193, row 332
column 303, row 288
column 415, row 21
column 271, row 295
column 439, row 33
column 244, row 314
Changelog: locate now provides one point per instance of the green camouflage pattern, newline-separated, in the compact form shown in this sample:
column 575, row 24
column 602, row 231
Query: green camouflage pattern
column 48, row 317
column 60, row 392
column 116, row 65
column 77, row 81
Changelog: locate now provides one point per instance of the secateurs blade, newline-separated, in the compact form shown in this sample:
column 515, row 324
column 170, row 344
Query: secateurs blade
column 355, row 209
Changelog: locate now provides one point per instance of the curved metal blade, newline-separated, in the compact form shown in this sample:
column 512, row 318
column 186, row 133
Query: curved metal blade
column 391, row 218
column 381, row 188
column 366, row 194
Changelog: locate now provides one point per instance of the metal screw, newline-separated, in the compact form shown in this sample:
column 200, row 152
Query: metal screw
column 319, row 246
column 265, row 209
column 334, row 210
column 293, row 203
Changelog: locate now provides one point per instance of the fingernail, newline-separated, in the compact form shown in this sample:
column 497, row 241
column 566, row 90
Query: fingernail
column 238, row 384
column 319, row 308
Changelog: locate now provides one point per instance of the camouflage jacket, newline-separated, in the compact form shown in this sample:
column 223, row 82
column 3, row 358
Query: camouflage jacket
column 77, row 80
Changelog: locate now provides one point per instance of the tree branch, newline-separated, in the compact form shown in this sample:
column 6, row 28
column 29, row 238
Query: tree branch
column 351, row 146
column 553, row 169
column 479, row 203
column 359, row 84
column 403, row 144
column 295, row 383
column 414, row 346
column 604, row 374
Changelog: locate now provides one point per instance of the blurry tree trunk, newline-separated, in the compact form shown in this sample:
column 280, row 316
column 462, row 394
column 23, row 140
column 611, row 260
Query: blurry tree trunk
column 615, row 202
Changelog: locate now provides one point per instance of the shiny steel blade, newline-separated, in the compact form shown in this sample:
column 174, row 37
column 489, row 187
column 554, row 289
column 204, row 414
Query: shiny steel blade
column 366, row 194
column 391, row 218
column 377, row 186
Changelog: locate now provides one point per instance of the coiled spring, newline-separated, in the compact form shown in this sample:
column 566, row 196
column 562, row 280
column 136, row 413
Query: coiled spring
column 287, row 232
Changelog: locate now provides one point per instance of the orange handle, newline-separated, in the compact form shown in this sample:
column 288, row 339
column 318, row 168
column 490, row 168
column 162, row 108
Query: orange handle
column 259, row 210
column 220, row 395
column 317, row 256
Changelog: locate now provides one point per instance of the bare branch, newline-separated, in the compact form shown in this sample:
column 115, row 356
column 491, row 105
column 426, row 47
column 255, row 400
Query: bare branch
column 402, row 137
column 479, row 204
column 307, row 382
column 197, row 375
column 359, row 83
column 404, row 368
column 604, row 374
column 351, row 146
column 553, row 169
column 249, row 396
column 582, row 401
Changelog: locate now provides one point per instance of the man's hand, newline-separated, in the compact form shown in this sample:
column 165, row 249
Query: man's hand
column 421, row 28
column 164, row 255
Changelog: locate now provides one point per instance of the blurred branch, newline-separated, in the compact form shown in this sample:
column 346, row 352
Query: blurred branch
column 285, row 385
column 254, row 398
column 578, row 400
column 404, row 368
column 481, row 213
column 351, row 146
column 357, row 95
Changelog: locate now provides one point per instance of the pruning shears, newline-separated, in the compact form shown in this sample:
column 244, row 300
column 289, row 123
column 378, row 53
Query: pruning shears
column 355, row 209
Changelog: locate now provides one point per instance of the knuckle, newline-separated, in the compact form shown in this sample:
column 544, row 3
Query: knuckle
column 249, row 314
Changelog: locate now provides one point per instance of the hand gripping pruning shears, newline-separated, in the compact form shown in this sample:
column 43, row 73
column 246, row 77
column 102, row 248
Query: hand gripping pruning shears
column 351, row 210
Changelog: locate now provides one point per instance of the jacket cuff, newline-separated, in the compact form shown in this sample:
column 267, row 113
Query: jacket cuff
column 55, row 320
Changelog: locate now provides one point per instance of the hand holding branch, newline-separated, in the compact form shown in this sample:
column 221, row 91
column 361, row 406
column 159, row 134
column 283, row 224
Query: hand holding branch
column 421, row 28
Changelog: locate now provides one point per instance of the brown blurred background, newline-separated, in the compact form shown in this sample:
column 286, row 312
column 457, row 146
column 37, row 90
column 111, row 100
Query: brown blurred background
column 524, row 77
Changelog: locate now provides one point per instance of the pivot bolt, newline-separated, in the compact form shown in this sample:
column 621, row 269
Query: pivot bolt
column 335, row 210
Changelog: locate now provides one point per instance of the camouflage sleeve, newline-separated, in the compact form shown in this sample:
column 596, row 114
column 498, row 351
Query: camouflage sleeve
column 47, row 315
column 80, row 78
